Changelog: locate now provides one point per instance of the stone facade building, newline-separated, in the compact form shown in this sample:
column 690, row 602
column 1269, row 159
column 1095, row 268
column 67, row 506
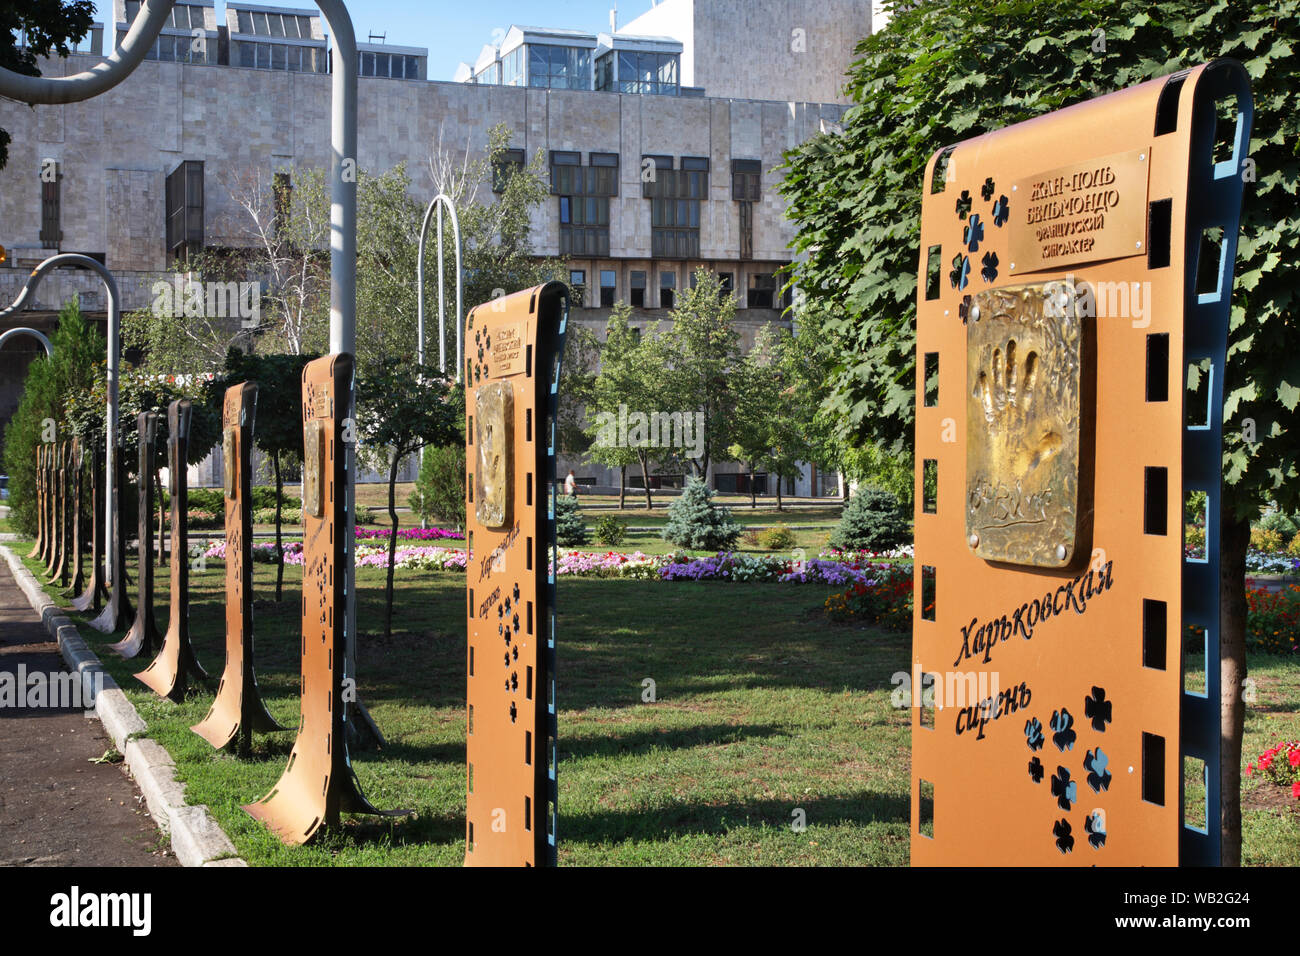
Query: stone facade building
column 143, row 170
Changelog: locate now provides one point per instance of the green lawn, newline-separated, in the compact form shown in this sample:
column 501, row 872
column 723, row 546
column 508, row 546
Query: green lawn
column 758, row 715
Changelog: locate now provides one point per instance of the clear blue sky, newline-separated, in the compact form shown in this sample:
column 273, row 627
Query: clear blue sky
column 453, row 30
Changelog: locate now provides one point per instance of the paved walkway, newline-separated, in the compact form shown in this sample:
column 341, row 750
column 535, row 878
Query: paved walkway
column 56, row 807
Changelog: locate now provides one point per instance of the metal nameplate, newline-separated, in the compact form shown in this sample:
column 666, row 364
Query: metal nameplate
column 507, row 350
column 1084, row 212
column 1024, row 367
column 313, row 468
column 494, row 441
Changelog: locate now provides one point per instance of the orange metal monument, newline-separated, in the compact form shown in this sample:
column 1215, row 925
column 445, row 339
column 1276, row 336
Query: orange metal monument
column 318, row 782
column 169, row 673
column 238, row 709
column 512, row 365
column 1073, row 268
column 144, row 635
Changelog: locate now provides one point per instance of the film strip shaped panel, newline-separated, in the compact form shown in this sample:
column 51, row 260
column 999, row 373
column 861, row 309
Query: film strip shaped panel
column 1058, row 311
column 512, row 365
column 238, row 709
column 169, row 673
column 318, row 783
column 144, row 637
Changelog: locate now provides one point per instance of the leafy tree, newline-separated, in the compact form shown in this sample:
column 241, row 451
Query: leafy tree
column 943, row 72
column 43, row 27
column 440, row 487
column 701, row 355
column 578, row 374
column 631, row 378
column 773, row 412
column 872, row 521
column 401, row 408
column 570, row 529
column 695, row 521
column 277, row 425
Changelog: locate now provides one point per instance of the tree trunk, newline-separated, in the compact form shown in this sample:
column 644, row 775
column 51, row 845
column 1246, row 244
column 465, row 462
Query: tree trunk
column 392, row 545
column 1233, row 543
column 778, row 493
column 645, row 477
column 622, row 486
column 753, row 489
column 279, row 548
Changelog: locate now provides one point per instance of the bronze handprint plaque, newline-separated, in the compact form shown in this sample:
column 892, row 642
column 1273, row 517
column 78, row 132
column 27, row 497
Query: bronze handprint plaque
column 1024, row 358
column 493, row 474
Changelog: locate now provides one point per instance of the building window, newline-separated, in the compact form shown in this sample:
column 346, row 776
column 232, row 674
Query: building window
column 605, row 73
column 667, row 286
column 648, row 73
column 506, row 164
column 51, row 233
column 264, row 24
column 282, row 188
column 490, row 75
column 578, row 287
column 608, row 287
column 512, row 67
column 559, row 67
column 636, row 289
column 762, row 290
column 395, row 66
column 675, row 228
column 584, row 193
column 281, row 56
column 726, row 283
column 746, row 180
column 746, row 231
column 184, row 198
column 689, row 182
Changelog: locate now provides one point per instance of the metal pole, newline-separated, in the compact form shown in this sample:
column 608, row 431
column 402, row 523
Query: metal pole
column 343, row 274
column 104, row 75
column 114, row 359
column 438, row 202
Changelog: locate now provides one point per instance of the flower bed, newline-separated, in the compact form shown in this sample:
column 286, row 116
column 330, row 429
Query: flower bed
column 1281, row 764
column 411, row 534
column 1273, row 619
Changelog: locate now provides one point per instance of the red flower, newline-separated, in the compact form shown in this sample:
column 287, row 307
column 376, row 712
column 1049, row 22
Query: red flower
column 1295, row 789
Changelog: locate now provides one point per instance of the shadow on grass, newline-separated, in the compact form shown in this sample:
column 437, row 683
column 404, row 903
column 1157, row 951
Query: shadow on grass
column 669, row 823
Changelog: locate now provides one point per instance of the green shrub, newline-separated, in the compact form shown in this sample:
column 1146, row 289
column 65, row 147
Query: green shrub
column 873, row 520
column 779, row 538
column 1266, row 541
column 1279, row 522
column 695, row 522
column 288, row 516
column 570, row 529
column 439, row 493
column 610, row 531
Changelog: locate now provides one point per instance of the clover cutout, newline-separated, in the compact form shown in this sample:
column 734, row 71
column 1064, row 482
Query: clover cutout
column 1034, row 734
column 963, row 310
column 1036, row 770
column 990, row 270
column 1063, row 788
column 1095, row 827
column 1098, row 709
column 960, row 273
column 963, row 204
column 1095, row 762
column 1061, row 830
column 973, row 234
column 1001, row 211
column 986, row 191
column 1062, row 725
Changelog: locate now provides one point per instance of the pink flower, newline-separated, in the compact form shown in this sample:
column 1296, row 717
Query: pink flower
column 1295, row 789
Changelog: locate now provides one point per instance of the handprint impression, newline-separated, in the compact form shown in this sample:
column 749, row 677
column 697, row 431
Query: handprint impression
column 1007, row 390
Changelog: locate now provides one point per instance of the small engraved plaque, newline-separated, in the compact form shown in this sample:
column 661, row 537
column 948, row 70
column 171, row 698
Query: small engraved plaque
column 228, row 460
column 1024, row 354
column 508, row 349
column 313, row 469
column 1084, row 212
column 494, row 460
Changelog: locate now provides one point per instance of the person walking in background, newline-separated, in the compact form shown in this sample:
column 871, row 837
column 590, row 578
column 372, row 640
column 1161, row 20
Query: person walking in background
column 570, row 484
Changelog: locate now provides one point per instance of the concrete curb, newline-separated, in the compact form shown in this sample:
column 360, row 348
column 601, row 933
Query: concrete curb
column 196, row 838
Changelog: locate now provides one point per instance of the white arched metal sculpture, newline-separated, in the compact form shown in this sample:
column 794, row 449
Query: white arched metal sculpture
column 440, row 200
column 114, row 361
